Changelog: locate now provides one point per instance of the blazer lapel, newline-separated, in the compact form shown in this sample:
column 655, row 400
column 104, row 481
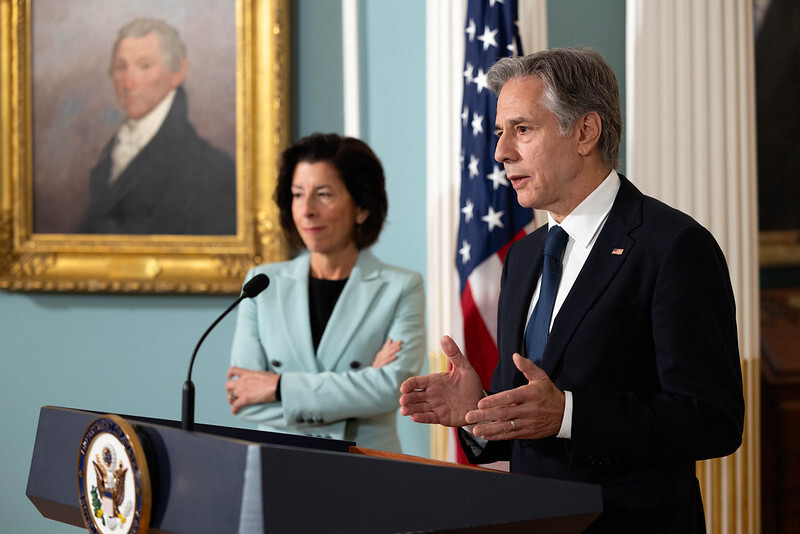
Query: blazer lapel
column 613, row 246
column 351, row 309
column 293, row 302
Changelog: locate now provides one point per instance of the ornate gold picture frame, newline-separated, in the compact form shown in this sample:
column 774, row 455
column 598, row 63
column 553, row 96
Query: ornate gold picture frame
column 777, row 90
column 779, row 248
column 56, row 256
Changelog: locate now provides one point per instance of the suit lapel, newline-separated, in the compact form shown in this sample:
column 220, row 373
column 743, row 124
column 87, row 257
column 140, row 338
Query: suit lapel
column 149, row 167
column 613, row 246
column 139, row 173
column 351, row 309
column 293, row 302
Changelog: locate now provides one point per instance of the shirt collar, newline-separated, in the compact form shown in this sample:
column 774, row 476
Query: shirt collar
column 140, row 131
column 585, row 221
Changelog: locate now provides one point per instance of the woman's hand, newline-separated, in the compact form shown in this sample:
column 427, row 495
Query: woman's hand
column 387, row 354
column 246, row 386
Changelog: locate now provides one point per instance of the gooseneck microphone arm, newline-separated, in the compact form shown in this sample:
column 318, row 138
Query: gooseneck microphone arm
column 253, row 287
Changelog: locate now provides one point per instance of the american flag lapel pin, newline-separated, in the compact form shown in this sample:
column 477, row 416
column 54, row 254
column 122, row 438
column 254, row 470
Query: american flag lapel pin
column 617, row 251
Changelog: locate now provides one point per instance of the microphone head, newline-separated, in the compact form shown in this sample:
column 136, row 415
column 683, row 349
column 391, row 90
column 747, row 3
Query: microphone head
column 255, row 285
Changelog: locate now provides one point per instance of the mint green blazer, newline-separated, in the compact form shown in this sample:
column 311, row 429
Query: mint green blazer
column 334, row 393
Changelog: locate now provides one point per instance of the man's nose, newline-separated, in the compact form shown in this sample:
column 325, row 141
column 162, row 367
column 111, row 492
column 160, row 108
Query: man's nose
column 127, row 79
column 504, row 151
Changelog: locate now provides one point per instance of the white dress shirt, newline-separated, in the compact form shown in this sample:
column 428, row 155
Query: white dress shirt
column 583, row 225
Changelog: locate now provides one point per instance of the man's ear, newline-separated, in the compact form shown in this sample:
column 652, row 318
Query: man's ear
column 589, row 128
column 179, row 75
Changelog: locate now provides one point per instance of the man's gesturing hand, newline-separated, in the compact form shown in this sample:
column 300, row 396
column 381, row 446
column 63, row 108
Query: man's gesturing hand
column 536, row 408
column 443, row 398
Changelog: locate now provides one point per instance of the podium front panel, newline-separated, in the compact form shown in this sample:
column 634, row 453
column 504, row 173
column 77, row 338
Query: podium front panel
column 230, row 480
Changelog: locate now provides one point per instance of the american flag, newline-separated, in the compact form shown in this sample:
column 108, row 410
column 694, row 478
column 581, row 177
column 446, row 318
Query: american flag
column 491, row 219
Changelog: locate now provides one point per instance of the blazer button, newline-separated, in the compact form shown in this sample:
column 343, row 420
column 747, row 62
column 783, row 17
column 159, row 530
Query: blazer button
column 355, row 365
column 275, row 363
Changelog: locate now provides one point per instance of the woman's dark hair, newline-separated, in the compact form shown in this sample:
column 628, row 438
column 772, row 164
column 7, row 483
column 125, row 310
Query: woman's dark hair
column 360, row 170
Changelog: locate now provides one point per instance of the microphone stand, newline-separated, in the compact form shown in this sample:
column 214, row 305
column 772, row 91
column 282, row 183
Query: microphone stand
column 256, row 285
column 187, row 417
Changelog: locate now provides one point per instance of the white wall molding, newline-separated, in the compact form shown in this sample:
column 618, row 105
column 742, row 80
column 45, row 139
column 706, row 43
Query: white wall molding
column 350, row 56
column 445, row 38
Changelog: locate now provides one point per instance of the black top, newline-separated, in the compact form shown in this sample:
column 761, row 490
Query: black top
column 322, row 297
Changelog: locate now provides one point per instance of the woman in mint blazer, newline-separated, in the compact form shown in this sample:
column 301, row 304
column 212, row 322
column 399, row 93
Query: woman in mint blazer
column 323, row 350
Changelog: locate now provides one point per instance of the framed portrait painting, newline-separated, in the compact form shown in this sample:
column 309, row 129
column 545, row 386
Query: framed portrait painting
column 777, row 84
column 140, row 143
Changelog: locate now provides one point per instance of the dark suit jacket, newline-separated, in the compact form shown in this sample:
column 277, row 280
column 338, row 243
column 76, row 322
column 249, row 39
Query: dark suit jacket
column 646, row 341
column 177, row 184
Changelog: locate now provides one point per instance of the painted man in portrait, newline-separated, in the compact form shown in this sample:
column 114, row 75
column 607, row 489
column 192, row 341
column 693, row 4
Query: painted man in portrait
column 157, row 175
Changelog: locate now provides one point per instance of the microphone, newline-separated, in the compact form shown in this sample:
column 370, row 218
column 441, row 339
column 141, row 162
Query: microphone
column 253, row 287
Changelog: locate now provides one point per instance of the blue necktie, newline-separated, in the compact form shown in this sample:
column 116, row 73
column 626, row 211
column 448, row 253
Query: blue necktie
column 539, row 324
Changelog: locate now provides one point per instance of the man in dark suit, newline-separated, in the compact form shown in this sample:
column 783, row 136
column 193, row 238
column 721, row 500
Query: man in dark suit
column 157, row 176
column 639, row 376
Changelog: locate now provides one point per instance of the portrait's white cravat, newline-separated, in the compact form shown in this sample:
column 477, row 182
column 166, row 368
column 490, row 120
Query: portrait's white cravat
column 126, row 146
column 134, row 134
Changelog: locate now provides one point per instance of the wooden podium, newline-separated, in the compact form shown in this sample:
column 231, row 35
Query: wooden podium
column 219, row 480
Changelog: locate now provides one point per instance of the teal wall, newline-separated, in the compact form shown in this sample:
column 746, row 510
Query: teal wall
column 393, row 124
column 317, row 83
column 129, row 354
column 598, row 24
column 392, row 90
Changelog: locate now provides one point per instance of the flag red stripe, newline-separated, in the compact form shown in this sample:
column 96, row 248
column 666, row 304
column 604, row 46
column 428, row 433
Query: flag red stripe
column 480, row 350
column 502, row 252
column 479, row 347
column 461, row 457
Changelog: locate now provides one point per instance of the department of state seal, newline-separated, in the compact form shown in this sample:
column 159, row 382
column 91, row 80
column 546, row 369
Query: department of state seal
column 113, row 478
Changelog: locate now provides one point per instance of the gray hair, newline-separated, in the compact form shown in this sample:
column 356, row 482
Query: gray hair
column 576, row 81
column 172, row 46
